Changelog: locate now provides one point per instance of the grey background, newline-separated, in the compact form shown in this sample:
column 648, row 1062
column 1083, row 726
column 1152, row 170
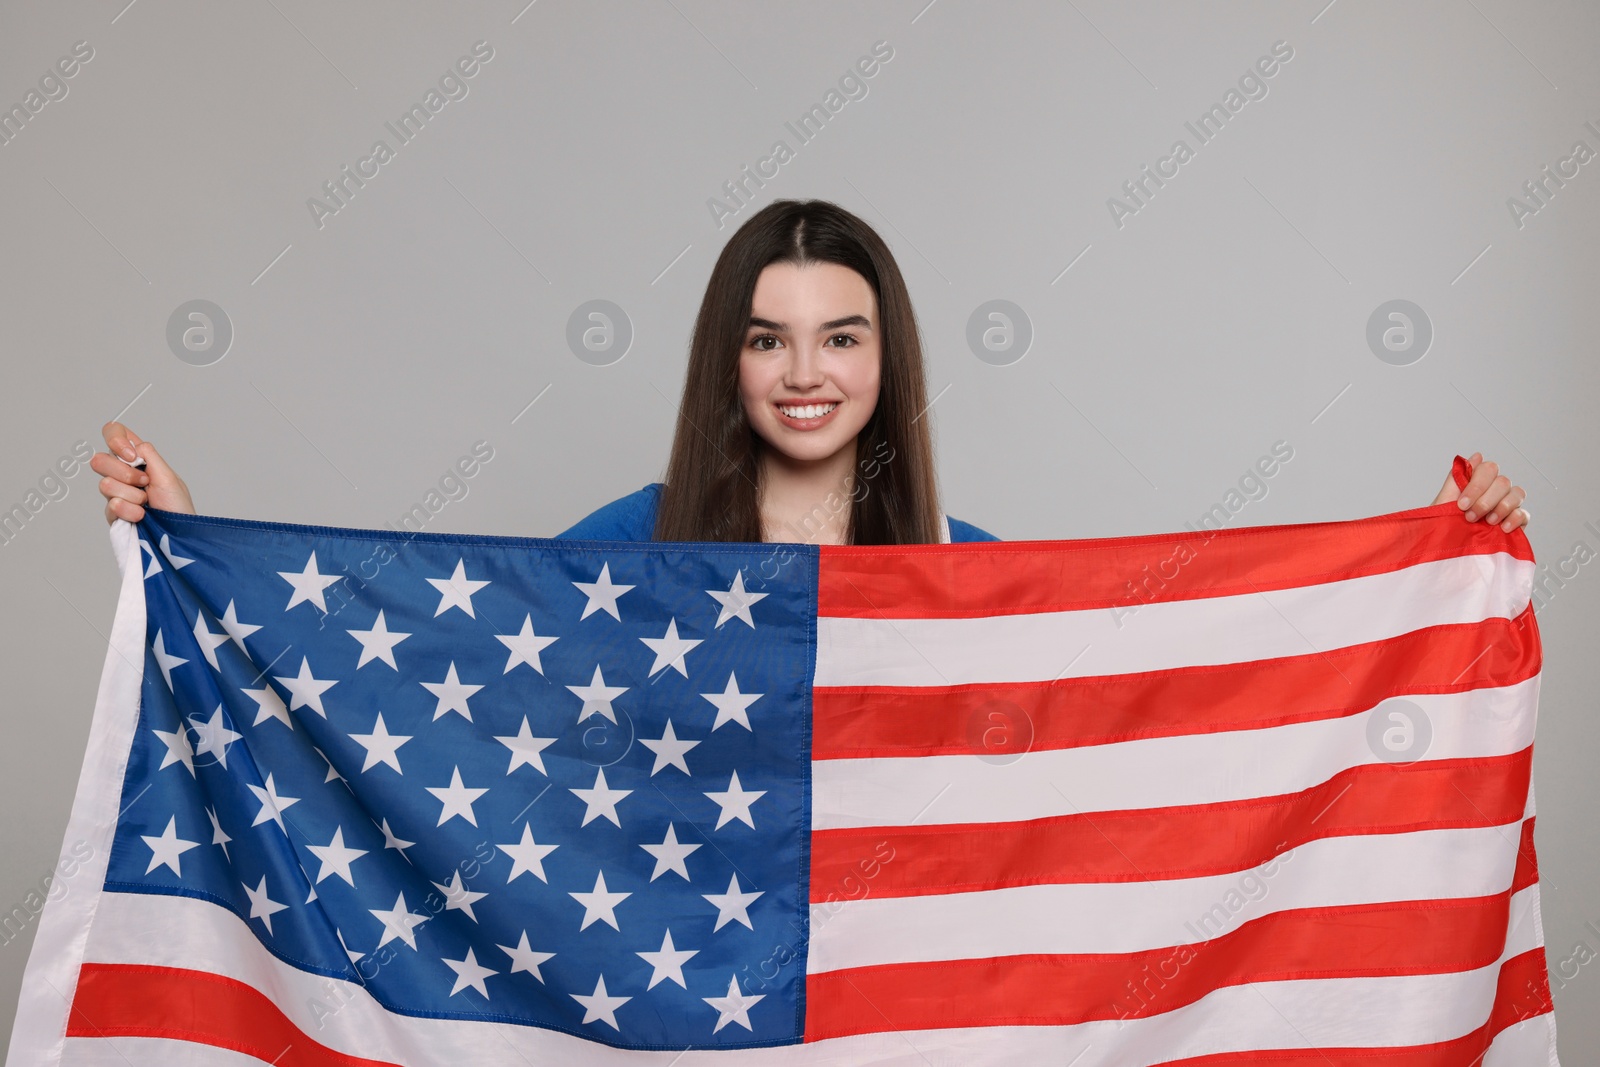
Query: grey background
column 1229, row 313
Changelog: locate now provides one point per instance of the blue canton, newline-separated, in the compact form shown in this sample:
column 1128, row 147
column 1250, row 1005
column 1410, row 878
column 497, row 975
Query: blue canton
column 553, row 783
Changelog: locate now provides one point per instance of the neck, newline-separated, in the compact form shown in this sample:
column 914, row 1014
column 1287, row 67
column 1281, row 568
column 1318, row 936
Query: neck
column 806, row 501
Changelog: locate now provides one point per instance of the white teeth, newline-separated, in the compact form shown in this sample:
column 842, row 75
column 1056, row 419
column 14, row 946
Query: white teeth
column 809, row 411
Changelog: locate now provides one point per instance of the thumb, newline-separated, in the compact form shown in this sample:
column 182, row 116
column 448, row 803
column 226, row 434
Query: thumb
column 156, row 467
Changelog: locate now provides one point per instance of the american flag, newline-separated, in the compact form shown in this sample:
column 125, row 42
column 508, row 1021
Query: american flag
column 1258, row 795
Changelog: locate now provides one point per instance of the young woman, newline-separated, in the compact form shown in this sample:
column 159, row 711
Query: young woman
column 802, row 411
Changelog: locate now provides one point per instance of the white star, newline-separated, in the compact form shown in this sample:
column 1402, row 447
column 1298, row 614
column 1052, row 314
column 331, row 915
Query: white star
column 600, row 1005
column 670, row 649
column 208, row 641
column 378, row 642
column 155, row 563
column 457, row 799
column 469, row 973
column 732, row 905
column 735, row 602
column 456, row 591
column 272, row 805
column 602, row 594
column 336, row 858
column 735, row 802
column 236, row 629
column 600, row 904
column 381, row 746
column 262, row 906
column 525, row 748
column 735, row 1007
column 304, row 690
column 597, row 696
column 524, row 958
column 217, row 836
column 669, row 750
column 670, row 855
column 391, row 841
column 398, row 922
column 308, row 585
column 600, row 800
column 215, row 737
column 348, row 951
column 178, row 562
column 458, row 897
column 179, row 750
column 269, row 705
column 668, row 962
column 452, row 694
column 731, row 704
column 164, row 661
column 527, row 856
column 525, row 646
column 333, row 772
column 166, row 849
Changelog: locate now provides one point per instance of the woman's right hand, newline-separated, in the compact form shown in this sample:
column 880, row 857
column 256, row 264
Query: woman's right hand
column 127, row 488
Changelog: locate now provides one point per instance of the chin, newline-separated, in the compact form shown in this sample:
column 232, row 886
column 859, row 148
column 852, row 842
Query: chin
column 810, row 450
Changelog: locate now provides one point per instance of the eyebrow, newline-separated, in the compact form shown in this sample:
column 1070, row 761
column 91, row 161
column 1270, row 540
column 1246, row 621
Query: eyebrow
column 783, row 327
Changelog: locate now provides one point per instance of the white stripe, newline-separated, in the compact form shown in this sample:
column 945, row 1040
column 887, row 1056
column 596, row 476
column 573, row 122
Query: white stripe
column 1360, row 1012
column 1140, row 915
column 1531, row 1041
column 1183, row 633
column 150, row 1052
column 1160, row 771
column 51, row 975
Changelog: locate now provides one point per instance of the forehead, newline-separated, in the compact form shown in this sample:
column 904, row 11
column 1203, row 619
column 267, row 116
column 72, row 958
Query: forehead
column 817, row 292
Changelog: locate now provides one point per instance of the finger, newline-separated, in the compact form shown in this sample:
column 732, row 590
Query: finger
column 117, row 441
column 1447, row 492
column 154, row 465
column 1483, row 475
column 1490, row 498
column 123, row 509
column 112, row 489
column 112, row 467
column 1506, row 510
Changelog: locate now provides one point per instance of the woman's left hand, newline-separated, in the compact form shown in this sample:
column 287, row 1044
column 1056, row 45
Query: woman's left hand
column 1488, row 494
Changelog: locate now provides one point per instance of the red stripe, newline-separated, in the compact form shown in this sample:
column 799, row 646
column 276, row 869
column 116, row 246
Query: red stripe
column 1518, row 998
column 1016, row 577
column 1190, row 841
column 1527, row 871
column 123, row 1000
column 129, row 1000
column 1406, row 938
column 997, row 719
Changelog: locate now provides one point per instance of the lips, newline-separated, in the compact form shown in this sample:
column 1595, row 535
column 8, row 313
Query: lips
column 810, row 423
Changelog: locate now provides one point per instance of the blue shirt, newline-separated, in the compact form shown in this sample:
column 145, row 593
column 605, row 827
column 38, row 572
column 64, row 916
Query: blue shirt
column 633, row 518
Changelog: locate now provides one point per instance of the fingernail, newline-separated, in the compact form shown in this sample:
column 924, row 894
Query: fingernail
column 1463, row 501
column 1471, row 517
column 129, row 455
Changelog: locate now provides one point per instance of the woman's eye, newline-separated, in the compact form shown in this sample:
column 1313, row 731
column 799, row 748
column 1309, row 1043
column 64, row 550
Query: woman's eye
column 755, row 342
column 847, row 337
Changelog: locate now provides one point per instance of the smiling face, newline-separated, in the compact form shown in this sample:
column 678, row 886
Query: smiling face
column 809, row 369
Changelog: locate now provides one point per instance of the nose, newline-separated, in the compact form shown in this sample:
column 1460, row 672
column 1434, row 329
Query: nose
column 805, row 367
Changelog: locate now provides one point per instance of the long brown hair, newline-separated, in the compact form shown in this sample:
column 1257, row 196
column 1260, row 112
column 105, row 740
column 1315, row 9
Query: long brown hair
column 713, row 476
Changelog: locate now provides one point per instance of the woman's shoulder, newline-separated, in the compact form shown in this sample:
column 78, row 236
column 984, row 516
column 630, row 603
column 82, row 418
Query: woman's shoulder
column 627, row 518
column 965, row 531
column 633, row 518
